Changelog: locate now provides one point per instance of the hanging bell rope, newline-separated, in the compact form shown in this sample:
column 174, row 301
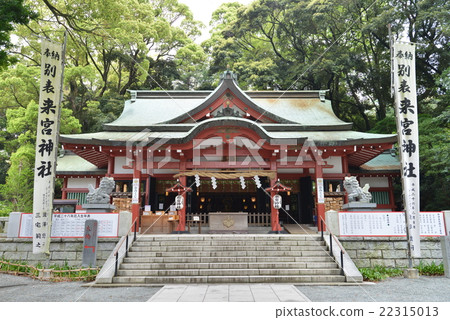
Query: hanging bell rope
column 227, row 174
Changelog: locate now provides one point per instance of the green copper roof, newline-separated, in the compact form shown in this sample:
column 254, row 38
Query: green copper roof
column 70, row 163
column 382, row 162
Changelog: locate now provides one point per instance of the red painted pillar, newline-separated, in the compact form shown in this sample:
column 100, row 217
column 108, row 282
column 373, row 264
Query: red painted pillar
column 182, row 213
column 320, row 205
column 135, row 207
column 110, row 166
column 391, row 194
column 274, row 214
column 64, row 188
column 147, row 190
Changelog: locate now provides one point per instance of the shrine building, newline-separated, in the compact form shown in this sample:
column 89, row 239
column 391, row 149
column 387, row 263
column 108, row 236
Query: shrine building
column 226, row 138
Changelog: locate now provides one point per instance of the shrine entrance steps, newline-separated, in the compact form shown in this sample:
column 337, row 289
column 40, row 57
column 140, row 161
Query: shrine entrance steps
column 195, row 259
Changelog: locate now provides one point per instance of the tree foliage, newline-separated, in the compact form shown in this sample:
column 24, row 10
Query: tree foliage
column 17, row 192
column 339, row 45
column 118, row 45
column 11, row 12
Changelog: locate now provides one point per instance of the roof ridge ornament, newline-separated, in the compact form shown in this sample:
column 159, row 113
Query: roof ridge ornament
column 228, row 75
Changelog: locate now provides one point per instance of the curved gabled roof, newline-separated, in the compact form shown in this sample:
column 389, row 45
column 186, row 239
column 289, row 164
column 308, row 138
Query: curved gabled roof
column 168, row 109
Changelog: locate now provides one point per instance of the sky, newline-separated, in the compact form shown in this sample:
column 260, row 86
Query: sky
column 203, row 9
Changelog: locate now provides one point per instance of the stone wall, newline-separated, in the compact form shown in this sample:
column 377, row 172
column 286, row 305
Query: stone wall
column 333, row 202
column 61, row 250
column 389, row 251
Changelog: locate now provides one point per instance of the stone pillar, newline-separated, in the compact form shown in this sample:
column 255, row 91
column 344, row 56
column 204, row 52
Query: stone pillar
column 445, row 246
column 332, row 221
column 447, row 221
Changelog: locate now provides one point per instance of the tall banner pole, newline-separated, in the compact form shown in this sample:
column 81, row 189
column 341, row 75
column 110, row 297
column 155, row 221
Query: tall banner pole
column 408, row 140
column 50, row 96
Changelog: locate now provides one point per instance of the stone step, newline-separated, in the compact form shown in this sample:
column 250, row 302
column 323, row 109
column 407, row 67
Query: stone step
column 202, row 247
column 225, row 259
column 219, row 237
column 285, row 243
column 166, row 259
column 317, row 253
column 233, row 265
column 230, row 279
column 226, row 272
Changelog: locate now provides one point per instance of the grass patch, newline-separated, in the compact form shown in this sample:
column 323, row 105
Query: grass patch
column 431, row 269
column 378, row 273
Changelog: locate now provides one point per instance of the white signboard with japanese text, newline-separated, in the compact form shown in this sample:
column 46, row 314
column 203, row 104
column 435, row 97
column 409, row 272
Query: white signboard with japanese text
column 46, row 143
column 135, row 191
column 320, row 191
column 388, row 224
column 71, row 225
column 408, row 137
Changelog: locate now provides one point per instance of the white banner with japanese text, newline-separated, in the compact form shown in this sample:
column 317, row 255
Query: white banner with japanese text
column 46, row 143
column 320, row 191
column 408, row 137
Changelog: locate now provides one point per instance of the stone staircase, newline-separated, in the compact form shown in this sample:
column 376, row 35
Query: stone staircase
column 182, row 259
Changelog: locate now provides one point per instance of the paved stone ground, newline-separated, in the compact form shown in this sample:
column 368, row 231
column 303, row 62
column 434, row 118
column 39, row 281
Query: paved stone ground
column 24, row 289
column 229, row 293
column 425, row 289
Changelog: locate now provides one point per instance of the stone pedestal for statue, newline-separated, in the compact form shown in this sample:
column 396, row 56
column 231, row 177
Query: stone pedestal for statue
column 359, row 206
column 98, row 199
column 98, row 207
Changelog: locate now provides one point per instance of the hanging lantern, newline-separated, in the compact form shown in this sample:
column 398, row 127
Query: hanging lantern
column 179, row 200
column 277, row 201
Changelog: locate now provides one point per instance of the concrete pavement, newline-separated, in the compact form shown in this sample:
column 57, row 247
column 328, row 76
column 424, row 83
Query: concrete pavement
column 229, row 293
column 425, row 289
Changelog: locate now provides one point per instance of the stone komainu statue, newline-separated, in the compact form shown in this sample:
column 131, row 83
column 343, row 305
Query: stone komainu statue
column 355, row 192
column 102, row 193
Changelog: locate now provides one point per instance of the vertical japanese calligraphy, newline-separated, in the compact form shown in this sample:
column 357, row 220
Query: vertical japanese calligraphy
column 46, row 143
column 408, row 138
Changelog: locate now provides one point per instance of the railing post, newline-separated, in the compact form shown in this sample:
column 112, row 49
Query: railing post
column 126, row 245
column 117, row 263
column 321, row 227
column 135, row 227
column 342, row 261
column 331, row 244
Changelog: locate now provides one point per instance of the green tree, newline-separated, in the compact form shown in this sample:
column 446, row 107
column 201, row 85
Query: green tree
column 340, row 45
column 11, row 12
column 114, row 46
column 17, row 192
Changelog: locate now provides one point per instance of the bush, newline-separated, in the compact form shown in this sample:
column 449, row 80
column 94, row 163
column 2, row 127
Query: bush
column 432, row 269
column 378, row 273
